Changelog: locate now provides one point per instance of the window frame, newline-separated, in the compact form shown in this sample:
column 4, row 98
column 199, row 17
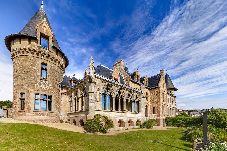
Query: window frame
column 43, row 69
column 46, row 38
column 22, row 101
column 38, row 102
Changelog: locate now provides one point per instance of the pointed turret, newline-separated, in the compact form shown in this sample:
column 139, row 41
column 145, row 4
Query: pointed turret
column 38, row 68
column 33, row 30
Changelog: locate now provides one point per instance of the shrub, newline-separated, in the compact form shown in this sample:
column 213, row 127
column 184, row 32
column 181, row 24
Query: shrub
column 214, row 134
column 98, row 124
column 183, row 121
column 217, row 147
column 218, row 118
column 193, row 133
column 149, row 123
column 138, row 123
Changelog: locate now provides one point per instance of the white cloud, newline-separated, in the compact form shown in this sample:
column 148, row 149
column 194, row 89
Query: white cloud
column 191, row 43
column 6, row 79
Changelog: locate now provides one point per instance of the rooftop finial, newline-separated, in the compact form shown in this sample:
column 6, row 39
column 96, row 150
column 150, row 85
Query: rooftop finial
column 41, row 7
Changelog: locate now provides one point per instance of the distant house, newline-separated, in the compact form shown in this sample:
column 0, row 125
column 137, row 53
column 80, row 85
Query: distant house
column 195, row 113
column 1, row 113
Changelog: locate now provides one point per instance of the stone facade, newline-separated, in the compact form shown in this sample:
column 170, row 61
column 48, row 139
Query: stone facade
column 40, row 93
column 28, row 56
column 125, row 98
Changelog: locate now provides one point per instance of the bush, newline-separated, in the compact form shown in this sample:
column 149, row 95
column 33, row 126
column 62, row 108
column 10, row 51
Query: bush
column 193, row 133
column 218, row 118
column 149, row 123
column 183, row 121
column 217, row 147
column 214, row 134
column 138, row 123
column 98, row 124
column 7, row 104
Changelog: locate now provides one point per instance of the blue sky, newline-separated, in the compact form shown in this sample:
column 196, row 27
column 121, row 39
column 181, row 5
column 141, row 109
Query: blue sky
column 186, row 38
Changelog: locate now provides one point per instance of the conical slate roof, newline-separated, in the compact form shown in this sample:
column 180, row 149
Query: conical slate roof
column 30, row 27
column 30, row 30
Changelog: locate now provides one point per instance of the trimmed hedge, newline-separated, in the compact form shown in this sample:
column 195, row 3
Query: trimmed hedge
column 98, row 124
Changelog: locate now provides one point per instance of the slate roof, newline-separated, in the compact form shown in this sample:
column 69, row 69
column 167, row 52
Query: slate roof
column 30, row 27
column 30, row 31
column 66, row 81
column 153, row 81
column 169, row 83
column 103, row 71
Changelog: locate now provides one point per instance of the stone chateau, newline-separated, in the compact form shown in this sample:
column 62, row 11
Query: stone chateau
column 42, row 93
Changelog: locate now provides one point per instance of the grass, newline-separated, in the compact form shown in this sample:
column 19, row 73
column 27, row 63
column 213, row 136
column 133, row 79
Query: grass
column 36, row 137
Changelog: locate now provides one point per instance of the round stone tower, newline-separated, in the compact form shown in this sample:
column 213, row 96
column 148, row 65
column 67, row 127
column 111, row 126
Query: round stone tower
column 38, row 68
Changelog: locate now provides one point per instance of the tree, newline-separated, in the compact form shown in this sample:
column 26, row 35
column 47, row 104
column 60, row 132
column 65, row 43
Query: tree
column 7, row 104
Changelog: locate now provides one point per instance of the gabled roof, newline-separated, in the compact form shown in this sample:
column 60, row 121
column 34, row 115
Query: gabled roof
column 169, row 83
column 103, row 71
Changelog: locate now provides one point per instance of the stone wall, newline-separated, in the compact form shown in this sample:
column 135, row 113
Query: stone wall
column 27, row 57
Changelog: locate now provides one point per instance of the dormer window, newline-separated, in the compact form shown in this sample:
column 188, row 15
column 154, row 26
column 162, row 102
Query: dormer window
column 44, row 42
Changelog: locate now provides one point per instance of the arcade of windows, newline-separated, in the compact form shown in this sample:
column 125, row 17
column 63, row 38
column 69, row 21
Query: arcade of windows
column 79, row 104
column 43, row 102
column 118, row 104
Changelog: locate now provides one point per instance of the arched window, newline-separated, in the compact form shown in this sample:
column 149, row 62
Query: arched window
column 105, row 102
column 146, row 111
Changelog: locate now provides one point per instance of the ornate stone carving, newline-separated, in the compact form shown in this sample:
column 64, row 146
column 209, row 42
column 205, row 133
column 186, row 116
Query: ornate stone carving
column 43, row 85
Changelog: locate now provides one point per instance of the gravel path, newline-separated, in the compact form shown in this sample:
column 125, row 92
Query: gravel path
column 73, row 128
column 62, row 126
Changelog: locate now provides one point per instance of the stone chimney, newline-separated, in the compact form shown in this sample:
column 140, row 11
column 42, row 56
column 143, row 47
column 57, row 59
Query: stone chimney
column 145, row 81
column 162, row 72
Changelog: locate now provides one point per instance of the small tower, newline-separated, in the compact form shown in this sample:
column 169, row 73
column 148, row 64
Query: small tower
column 38, row 68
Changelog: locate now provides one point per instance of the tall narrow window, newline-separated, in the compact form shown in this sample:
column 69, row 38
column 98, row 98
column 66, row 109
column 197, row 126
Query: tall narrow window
column 44, row 42
column 75, row 105
column 108, row 102
column 43, row 70
column 103, row 101
column 44, row 102
column 22, row 101
column 154, row 112
column 37, row 102
column 146, row 111
column 135, row 108
column 71, row 106
column 49, row 103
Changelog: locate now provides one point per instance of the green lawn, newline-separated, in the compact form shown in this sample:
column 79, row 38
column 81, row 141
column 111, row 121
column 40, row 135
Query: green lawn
column 31, row 137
